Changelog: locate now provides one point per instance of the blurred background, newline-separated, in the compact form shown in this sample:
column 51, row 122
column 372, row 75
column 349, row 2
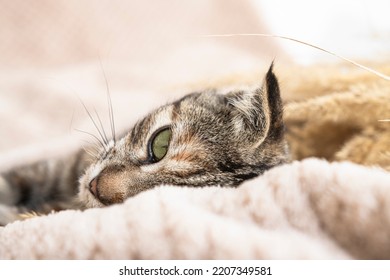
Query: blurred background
column 355, row 29
column 55, row 53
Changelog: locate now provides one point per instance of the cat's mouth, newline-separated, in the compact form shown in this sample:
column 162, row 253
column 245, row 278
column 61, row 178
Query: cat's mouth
column 88, row 200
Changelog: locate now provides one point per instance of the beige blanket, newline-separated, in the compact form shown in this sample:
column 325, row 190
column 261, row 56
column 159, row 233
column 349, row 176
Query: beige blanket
column 304, row 210
column 53, row 54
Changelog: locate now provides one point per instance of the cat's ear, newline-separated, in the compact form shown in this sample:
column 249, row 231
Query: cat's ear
column 258, row 114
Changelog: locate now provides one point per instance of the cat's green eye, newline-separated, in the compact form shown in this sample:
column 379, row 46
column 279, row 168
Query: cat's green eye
column 159, row 144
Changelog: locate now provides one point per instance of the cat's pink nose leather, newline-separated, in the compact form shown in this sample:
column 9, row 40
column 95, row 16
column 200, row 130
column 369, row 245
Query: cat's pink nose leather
column 93, row 187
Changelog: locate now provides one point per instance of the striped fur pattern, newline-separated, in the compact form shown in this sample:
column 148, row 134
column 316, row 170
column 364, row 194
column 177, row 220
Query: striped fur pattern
column 216, row 139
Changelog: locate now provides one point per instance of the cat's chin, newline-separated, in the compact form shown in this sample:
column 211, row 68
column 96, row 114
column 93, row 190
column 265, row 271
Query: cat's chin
column 88, row 200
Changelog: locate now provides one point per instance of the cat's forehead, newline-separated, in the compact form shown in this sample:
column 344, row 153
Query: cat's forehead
column 184, row 109
column 207, row 99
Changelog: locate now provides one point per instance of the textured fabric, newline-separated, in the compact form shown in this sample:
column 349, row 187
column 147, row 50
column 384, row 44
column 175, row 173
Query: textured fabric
column 304, row 210
column 55, row 53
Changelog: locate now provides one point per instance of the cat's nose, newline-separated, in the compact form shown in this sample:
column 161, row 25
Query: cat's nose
column 93, row 187
column 108, row 188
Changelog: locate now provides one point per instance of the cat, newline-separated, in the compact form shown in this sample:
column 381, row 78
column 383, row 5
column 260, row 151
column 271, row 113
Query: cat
column 203, row 139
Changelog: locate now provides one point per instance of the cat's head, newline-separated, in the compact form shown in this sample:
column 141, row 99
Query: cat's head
column 203, row 139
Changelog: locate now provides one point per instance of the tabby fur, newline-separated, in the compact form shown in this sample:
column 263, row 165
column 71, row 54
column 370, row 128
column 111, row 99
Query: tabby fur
column 217, row 139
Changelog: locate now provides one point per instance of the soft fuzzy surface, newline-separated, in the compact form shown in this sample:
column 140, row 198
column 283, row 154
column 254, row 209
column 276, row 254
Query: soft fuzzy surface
column 151, row 53
column 305, row 210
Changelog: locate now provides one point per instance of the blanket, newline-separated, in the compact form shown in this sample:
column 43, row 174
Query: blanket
column 304, row 210
column 146, row 54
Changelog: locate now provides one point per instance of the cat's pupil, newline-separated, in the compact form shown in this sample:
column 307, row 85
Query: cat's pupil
column 160, row 144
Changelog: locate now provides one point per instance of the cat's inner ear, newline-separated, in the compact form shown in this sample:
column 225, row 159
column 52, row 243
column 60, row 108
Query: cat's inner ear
column 258, row 114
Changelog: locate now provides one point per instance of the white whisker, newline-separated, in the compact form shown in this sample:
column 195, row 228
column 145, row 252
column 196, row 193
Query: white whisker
column 88, row 152
column 102, row 127
column 96, row 126
column 94, row 136
column 109, row 101
column 375, row 72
